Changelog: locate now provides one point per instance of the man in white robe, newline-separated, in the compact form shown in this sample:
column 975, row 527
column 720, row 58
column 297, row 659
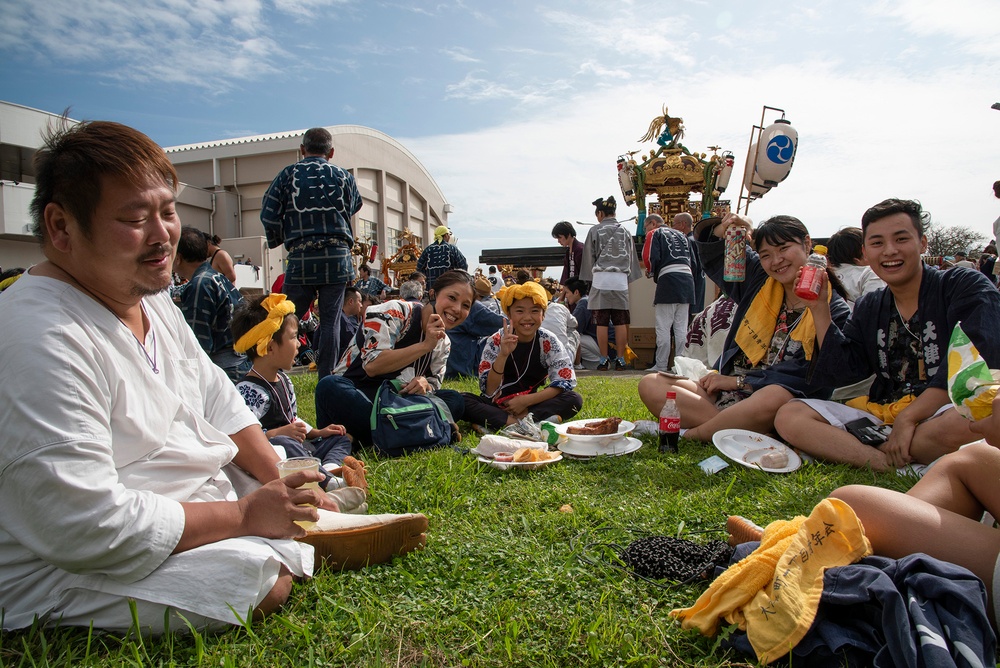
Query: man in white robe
column 117, row 425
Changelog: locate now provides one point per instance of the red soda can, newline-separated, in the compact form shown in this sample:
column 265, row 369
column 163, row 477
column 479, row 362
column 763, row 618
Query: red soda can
column 735, row 267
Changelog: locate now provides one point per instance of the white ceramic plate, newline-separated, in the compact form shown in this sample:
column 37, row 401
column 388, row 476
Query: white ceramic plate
column 747, row 447
column 624, row 429
column 528, row 466
column 578, row 450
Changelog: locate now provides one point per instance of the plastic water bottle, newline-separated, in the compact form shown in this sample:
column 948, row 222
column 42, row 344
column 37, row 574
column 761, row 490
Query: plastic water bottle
column 809, row 280
column 670, row 424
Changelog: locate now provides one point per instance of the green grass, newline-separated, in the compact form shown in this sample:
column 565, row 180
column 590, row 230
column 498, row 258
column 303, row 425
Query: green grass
column 501, row 582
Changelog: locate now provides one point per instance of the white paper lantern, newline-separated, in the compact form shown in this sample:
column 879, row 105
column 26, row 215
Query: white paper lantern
column 776, row 152
column 722, row 182
column 753, row 185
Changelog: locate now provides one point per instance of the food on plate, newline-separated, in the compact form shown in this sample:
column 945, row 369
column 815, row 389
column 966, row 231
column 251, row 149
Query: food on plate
column 533, row 455
column 503, row 457
column 596, row 428
column 776, row 459
column 769, row 457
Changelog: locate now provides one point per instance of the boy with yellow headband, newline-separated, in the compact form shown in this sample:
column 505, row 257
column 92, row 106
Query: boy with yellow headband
column 516, row 362
column 266, row 329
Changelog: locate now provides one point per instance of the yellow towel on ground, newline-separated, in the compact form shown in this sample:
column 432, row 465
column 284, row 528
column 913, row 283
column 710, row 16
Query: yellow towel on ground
column 773, row 593
column 885, row 412
column 755, row 331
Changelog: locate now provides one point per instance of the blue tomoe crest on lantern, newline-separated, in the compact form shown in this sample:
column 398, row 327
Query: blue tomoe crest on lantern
column 777, row 145
column 780, row 149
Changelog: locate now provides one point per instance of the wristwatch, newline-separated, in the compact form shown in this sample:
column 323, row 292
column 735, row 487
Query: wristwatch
column 741, row 383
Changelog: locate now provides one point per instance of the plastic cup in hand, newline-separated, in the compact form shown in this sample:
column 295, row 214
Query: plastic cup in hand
column 287, row 467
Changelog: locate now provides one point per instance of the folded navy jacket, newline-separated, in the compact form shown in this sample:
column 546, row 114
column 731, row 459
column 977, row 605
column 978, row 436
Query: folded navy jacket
column 915, row 611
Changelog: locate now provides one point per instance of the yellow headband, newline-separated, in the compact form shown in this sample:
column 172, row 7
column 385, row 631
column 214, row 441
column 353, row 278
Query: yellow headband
column 512, row 293
column 277, row 307
column 7, row 282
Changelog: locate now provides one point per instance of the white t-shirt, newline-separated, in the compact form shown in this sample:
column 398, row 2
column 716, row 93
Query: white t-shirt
column 858, row 280
column 99, row 452
column 561, row 322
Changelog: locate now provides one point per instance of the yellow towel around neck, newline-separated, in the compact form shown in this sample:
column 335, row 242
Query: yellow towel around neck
column 773, row 593
column 755, row 331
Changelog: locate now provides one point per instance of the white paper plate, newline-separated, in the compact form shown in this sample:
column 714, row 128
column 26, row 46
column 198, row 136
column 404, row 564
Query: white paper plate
column 578, row 450
column 624, row 429
column 529, row 466
column 746, row 448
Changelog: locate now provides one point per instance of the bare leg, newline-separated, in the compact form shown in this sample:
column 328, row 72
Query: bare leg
column 695, row 406
column 939, row 515
column 276, row 597
column 621, row 339
column 940, row 436
column 964, row 482
column 755, row 413
column 602, row 340
column 806, row 430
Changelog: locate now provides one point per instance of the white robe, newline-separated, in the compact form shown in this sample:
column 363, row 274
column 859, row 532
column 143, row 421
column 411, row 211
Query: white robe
column 98, row 453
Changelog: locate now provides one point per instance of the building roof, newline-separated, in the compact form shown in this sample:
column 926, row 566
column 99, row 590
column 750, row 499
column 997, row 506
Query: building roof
column 234, row 141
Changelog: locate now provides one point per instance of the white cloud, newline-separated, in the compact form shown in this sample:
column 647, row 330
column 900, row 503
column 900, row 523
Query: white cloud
column 460, row 55
column 201, row 43
column 632, row 33
column 308, row 9
column 961, row 18
column 601, row 72
column 475, row 88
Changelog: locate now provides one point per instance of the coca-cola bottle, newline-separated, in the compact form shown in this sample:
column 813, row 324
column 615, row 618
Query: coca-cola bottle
column 670, row 424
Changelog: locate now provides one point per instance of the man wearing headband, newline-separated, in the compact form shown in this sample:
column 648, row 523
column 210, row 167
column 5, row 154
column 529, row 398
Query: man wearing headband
column 308, row 208
column 440, row 256
column 610, row 263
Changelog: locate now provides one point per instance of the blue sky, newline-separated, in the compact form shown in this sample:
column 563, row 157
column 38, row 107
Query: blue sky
column 520, row 109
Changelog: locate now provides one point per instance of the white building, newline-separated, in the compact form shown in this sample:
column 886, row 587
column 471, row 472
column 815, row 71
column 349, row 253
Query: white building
column 223, row 183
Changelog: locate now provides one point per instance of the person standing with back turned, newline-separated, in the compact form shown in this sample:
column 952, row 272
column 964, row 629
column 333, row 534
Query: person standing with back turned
column 610, row 263
column 308, row 207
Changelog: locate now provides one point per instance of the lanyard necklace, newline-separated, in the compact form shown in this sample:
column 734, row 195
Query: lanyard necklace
column 517, row 371
column 152, row 332
column 921, row 368
column 279, row 392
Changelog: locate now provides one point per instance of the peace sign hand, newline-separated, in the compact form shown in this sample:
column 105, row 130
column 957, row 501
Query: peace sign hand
column 508, row 339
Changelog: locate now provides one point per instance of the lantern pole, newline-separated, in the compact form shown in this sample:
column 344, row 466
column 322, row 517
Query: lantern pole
column 752, row 166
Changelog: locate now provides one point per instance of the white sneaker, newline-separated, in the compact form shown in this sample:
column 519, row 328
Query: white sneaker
column 351, row 500
column 644, row 427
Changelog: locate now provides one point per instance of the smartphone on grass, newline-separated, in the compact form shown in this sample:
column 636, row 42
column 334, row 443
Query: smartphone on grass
column 868, row 432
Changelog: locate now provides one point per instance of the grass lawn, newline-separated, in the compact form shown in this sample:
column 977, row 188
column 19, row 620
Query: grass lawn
column 501, row 582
